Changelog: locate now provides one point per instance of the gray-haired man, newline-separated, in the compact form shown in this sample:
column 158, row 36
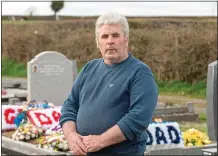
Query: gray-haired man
column 113, row 98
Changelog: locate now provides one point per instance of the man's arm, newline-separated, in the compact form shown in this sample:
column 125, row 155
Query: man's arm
column 68, row 127
column 68, row 123
column 112, row 136
column 68, row 117
column 143, row 100
column 74, row 140
column 70, row 107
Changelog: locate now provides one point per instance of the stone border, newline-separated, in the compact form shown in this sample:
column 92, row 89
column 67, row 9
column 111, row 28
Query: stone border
column 11, row 147
column 182, row 151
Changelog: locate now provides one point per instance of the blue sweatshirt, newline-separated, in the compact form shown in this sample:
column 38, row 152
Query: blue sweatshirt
column 105, row 95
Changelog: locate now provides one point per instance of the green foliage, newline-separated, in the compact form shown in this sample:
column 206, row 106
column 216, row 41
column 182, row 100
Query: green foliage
column 56, row 6
column 12, row 68
column 183, row 88
column 202, row 117
column 175, row 49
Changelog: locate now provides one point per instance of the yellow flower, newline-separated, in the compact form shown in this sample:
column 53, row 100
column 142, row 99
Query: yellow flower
column 193, row 137
column 207, row 141
column 198, row 142
column 189, row 144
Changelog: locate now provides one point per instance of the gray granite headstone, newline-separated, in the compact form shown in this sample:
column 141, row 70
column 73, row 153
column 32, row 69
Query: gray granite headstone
column 212, row 101
column 49, row 77
column 75, row 71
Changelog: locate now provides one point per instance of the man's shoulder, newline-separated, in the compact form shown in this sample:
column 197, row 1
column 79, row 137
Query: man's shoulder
column 90, row 65
column 92, row 62
column 140, row 66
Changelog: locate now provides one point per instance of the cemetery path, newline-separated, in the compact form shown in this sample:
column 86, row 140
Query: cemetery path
column 178, row 99
column 200, row 104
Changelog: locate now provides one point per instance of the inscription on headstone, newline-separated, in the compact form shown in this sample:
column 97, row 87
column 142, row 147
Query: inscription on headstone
column 49, row 77
column 212, row 101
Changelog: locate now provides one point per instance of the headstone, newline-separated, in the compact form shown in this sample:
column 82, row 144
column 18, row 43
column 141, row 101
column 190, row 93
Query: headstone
column 212, row 101
column 49, row 77
column 75, row 71
column 191, row 108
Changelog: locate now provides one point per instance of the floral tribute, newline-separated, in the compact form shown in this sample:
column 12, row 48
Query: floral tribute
column 193, row 137
column 42, row 114
column 53, row 139
column 41, row 121
column 26, row 132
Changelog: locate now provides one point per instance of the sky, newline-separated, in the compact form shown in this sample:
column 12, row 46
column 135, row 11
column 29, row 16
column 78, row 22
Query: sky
column 125, row 8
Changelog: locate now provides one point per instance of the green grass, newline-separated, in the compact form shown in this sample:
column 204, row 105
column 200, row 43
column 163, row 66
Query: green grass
column 201, row 126
column 79, row 70
column 202, row 117
column 183, row 88
column 11, row 68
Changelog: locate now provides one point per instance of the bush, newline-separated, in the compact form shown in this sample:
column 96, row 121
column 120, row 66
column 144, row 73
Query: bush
column 175, row 49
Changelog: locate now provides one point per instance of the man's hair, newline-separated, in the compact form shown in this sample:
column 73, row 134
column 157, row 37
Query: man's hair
column 112, row 18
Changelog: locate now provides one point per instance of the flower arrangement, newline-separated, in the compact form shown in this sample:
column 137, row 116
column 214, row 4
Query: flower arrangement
column 55, row 141
column 26, row 132
column 193, row 137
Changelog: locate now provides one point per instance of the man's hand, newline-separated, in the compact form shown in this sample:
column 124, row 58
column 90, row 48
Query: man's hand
column 92, row 142
column 75, row 144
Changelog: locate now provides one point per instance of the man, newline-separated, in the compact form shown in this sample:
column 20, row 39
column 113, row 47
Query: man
column 112, row 99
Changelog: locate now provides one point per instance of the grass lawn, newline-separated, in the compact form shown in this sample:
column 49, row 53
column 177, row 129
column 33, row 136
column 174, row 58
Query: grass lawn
column 201, row 126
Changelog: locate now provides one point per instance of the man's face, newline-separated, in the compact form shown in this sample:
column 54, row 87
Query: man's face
column 112, row 43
